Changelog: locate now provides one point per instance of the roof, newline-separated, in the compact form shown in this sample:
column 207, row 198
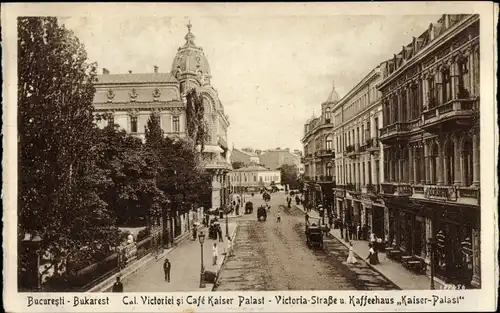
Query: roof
column 252, row 154
column 135, row 78
column 190, row 57
column 253, row 168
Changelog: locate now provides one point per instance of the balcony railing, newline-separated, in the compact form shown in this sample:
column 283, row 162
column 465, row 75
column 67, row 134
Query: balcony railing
column 397, row 189
column 397, row 128
column 450, row 111
column 372, row 189
column 325, row 153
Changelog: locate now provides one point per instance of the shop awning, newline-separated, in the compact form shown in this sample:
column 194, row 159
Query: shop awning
column 210, row 149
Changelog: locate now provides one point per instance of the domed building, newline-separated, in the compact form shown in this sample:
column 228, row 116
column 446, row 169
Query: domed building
column 129, row 99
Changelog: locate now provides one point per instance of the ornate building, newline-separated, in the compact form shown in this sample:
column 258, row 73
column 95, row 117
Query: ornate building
column 430, row 100
column 358, row 157
column 319, row 175
column 129, row 99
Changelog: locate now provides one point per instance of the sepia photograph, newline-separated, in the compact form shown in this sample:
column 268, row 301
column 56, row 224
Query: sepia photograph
column 178, row 153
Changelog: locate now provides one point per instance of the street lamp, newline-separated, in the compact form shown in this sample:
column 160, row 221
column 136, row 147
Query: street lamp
column 432, row 244
column 201, row 238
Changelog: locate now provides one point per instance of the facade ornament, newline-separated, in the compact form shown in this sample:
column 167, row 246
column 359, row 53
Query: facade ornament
column 133, row 112
column 133, row 94
column 156, row 94
column 110, row 95
column 176, row 111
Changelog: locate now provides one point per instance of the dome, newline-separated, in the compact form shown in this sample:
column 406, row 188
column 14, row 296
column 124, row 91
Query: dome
column 334, row 96
column 190, row 57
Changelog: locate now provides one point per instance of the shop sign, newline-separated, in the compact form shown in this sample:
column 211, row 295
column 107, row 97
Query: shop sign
column 445, row 193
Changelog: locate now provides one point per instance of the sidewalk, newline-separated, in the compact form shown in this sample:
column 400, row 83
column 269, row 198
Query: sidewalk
column 394, row 271
column 185, row 260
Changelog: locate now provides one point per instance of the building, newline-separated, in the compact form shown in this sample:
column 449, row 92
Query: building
column 252, row 178
column 430, row 136
column 319, row 175
column 275, row 158
column 129, row 100
column 357, row 118
column 245, row 156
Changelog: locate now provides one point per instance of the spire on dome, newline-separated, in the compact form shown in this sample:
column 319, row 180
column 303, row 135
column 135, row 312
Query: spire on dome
column 189, row 36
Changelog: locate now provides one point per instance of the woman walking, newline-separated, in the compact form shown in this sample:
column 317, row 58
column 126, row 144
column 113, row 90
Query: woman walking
column 372, row 257
column 351, row 259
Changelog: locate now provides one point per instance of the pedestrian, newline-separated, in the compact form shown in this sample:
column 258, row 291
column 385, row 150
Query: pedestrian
column 219, row 232
column 372, row 256
column 365, row 232
column 341, row 225
column 307, row 218
column 351, row 259
column 117, row 286
column 166, row 269
column 229, row 246
column 278, row 216
column 372, row 239
column 215, row 254
column 358, row 232
column 354, row 234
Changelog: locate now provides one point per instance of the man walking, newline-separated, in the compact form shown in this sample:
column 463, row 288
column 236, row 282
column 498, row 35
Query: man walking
column 215, row 254
column 117, row 286
column 166, row 269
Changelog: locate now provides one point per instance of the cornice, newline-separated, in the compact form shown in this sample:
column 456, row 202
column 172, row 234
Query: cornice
column 429, row 49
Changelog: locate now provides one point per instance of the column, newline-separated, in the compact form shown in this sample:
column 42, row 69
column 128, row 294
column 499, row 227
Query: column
column 400, row 171
column 373, row 127
column 415, row 167
column 471, row 71
column 373, row 170
column 454, row 79
column 411, row 166
column 476, row 258
column 428, row 164
column 475, row 160
column 439, row 164
column 458, row 161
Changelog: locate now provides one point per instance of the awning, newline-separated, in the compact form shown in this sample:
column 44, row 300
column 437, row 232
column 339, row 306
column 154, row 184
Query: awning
column 210, row 149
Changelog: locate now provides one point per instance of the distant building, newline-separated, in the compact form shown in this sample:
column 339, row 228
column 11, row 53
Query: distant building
column 252, row 178
column 245, row 156
column 275, row 158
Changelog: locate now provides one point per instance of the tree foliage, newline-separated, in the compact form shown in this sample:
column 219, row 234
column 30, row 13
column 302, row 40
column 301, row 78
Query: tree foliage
column 57, row 173
column 237, row 165
column 197, row 127
column 289, row 175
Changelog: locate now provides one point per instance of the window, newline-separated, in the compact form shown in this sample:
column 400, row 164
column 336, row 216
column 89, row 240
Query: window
column 328, row 143
column 446, row 86
column 111, row 120
column 175, row 124
column 133, row 124
column 432, row 92
column 327, row 116
column 463, row 76
column 367, row 130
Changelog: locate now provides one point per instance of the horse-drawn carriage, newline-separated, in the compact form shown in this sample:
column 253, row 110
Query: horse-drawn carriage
column 249, row 207
column 261, row 213
column 314, row 236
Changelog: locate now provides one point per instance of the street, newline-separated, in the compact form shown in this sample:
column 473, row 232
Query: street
column 274, row 256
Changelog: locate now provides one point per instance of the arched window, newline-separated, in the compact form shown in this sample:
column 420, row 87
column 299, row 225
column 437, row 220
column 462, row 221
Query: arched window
column 449, row 162
column 446, row 85
column 467, row 161
column 329, row 171
column 329, row 143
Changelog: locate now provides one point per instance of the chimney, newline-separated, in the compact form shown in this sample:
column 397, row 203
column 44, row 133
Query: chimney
column 156, row 69
column 129, row 71
column 105, row 71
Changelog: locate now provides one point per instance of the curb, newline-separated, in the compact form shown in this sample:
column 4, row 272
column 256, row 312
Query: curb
column 224, row 260
column 357, row 254
column 135, row 267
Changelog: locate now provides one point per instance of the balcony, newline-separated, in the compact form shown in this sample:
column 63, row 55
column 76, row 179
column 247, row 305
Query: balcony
column 454, row 113
column 222, row 142
column 216, row 164
column 371, row 189
column 394, row 132
column 396, row 189
column 372, row 145
column 453, row 194
column 350, row 151
column 325, row 153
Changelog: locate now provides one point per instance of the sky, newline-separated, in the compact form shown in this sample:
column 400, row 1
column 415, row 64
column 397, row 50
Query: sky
column 271, row 72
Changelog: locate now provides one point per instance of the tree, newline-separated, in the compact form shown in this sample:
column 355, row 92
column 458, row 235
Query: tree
column 237, row 165
column 153, row 133
column 197, row 128
column 59, row 176
column 289, row 175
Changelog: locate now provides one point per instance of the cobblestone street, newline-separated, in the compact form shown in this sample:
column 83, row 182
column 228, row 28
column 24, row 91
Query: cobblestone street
column 274, row 256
